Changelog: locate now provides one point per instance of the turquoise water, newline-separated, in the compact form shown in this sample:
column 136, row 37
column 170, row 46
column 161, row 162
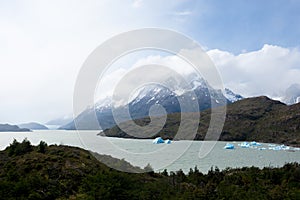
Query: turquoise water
column 178, row 155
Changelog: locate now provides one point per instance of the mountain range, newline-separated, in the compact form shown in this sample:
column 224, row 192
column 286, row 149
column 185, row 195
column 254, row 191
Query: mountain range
column 12, row 128
column 148, row 96
column 292, row 94
column 260, row 118
column 33, row 126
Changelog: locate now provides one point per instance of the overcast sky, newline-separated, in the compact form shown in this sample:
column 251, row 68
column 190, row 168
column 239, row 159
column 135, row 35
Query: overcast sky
column 255, row 45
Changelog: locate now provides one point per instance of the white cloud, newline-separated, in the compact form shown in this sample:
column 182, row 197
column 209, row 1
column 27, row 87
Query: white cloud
column 183, row 13
column 268, row 71
column 110, row 80
column 137, row 3
column 44, row 43
column 174, row 62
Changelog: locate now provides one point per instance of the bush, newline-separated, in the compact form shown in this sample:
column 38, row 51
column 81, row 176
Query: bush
column 17, row 148
column 42, row 147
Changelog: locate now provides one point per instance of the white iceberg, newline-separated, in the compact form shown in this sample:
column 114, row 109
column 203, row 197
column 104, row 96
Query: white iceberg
column 285, row 147
column 253, row 143
column 244, row 145
column 167, row 141
column 279, row 147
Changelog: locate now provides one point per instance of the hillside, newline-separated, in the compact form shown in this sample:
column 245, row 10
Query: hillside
column 260, row 118
column 12, row 128
column 61, row 172
column 33, row 126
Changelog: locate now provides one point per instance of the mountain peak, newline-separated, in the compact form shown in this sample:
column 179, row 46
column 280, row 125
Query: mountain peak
column 292, row 94
column 231, row 96
column 169, row 98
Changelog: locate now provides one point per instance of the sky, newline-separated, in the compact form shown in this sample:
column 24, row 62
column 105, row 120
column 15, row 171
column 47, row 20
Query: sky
column 43, row 44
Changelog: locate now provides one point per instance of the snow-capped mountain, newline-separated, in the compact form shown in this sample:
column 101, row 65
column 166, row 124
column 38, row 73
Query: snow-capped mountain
column 292, row 94
column 103, row 104
column 231, row 96
column 154, row 94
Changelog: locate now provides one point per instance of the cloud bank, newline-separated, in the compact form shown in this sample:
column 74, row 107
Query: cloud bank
column 267, row 71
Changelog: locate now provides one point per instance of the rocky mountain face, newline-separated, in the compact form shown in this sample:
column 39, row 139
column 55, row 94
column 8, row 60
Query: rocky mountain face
column 149, row 96
column 231, row 96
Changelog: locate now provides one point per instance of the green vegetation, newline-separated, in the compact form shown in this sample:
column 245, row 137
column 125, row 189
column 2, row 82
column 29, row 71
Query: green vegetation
column 260, row 119
column 61, row 172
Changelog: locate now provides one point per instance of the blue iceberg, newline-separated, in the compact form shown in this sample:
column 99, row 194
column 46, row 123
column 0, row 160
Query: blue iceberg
column 229, row 146
column 255, row 143
column 158, row 140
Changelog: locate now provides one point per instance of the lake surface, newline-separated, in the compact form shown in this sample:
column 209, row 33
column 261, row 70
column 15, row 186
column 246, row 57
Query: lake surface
column 177, row 155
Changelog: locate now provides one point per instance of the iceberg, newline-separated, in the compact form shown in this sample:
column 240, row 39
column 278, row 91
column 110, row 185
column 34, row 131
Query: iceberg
column 167, row 141
column 244, row 145
column 253, row 143
column 277, row 148
column 280, row 147
column 229, row 146
column 158, row 140
column 285, row 147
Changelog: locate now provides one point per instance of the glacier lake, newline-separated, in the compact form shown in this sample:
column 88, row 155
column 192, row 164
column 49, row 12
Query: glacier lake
column 177, row 155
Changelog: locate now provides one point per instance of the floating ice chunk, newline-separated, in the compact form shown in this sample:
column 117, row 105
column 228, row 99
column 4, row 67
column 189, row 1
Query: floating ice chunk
column 277, row 148
column 167, row 141
column 158, row 140
column 285, row 147
column 229, row 146
column 253, row 143
column 244, row 145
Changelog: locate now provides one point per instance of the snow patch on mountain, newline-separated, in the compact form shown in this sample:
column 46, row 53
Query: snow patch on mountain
column 292, row 94
column 231, row 96
column 298, row 100
column 103, row 104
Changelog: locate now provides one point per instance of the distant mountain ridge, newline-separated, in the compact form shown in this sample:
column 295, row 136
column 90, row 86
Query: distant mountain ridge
column 33, row 126
column 139, row 106
column 259, row 118
column 292, row 94
column 60, row 121
column 12, row 128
